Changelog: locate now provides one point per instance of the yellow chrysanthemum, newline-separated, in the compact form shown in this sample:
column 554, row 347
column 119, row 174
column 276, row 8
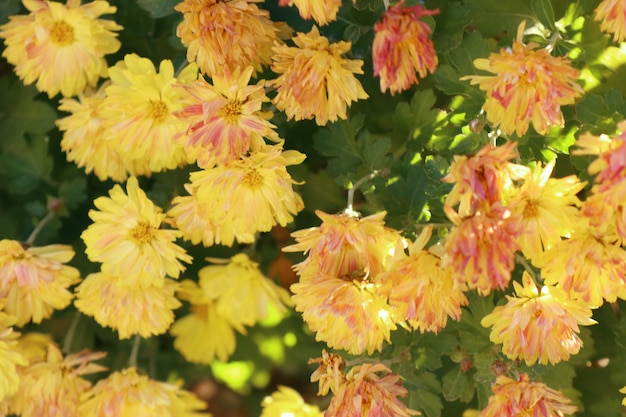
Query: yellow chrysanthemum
column 221, row 36
column 224, row 119
column 481, row 248
column 84, row 137
column 125, row 304
column 236, row 201
column 420, row 291
column 612, row 17
column 623, row 391
column 35, row 280
column 11, row 357
column 529, row 86
column 402, row 47
column 546, row 209
column 126, row 237
column 34, row 346
column 538, row 325
column 315, row 82
column 346, row 314
column 522, row 397
column 61, row 46
column 53, row 386
column 365, row 393
column 288, row 402
column 127, row 394
column 346, row 246
column 322, row 11
column 138, row 114
column 329, row 373
column 204, row 334
column 588, row 266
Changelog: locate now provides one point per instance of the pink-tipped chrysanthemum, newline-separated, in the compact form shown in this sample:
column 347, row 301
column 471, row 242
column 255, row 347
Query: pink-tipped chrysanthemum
column 59, row 46
column 612, row 17
column 528, row 85
column 402, row 48
column 314, row 81
column 322, row 11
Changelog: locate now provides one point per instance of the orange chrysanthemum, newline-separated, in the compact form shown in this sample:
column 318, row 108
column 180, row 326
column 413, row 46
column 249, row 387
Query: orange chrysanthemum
column 236, row 201
column 346, row 246
column 224, row 119
column 61, row 46
column 315, row 82
column 612, row 17
column 127, row 394
column 538, row 326
column 126, row 236
column 402, row 47
column 221, row 36
column 529, row 86
column 365, row 393
column 420, row 291
column 35, row 280
column 322, row 11
column 522, row 397
column 546, row 209
column 52, row 386
column 481, row 248
column 483, row 178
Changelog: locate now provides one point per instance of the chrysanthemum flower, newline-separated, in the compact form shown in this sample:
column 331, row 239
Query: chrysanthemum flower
column 623, row 391
column 35, row 280
column 522, row 397
column 588, row 266
column 53, row 386
column 127, row 394
column 11, row 357
column 481, row 248
column 612, row 17
column 60, row 46
column 486, row 177
column 322, row 11
column 402, row 47
column 288, row 402
column 138, row 113
column 529, row 86
column 538, row 325
column 126, row 236
column 224, row 119
column 124, row 303
column 221, row 36
column 365, row 393
column 546, row 209
column 236, row 201
column 204, row 334
column 345, row 246
column 329, row 373
column 421, row 291
column 315, row 82
column 346, row 314
column 84, row 137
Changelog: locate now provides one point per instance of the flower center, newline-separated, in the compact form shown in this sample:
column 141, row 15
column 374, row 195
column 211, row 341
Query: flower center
column 62, row 33
column 141, row 234
column 158, row 111
column 231, row 111
column 252, row 178
column 531, row 210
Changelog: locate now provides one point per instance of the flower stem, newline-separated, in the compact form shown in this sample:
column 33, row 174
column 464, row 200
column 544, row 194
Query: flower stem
column 48, row 217
column 132, row 360
column 522, row 261
column 553, row 40
column 71, row 331
column 386, row 3
column 350, row 208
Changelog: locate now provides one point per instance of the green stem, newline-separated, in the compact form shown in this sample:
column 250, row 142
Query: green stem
column 132, row 360
column 522, row 261
column 31, row 239
column 350, row 208
column 71, row 331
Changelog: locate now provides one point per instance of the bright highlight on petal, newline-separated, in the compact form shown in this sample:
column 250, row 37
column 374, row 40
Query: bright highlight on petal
column 314, row 81
column 402, row 47
column 538, row 325
column 529, row 86
column 287, row 402
column 59, row 46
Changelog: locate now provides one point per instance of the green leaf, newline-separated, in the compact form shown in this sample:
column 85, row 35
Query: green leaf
column 8, row 8
column 458, row 385
column 73, row 192
column 406, row 197
column 338, row 141
column 474, row 46
column 452, row 20
column 416, row 119
column 497, row 17
column 19, row 113
column 25, row 163
column 591, row 109
column 429, row 403
column 158, row 8
column 544, row 13
column 375, row 151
